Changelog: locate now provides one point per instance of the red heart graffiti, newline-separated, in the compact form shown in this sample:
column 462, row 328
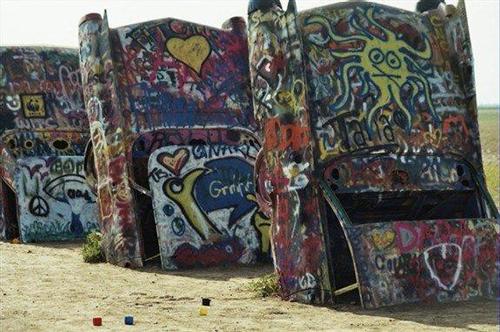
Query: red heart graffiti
column 174, row 162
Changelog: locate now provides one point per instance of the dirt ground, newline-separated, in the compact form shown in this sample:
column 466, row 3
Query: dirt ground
column 49, row 288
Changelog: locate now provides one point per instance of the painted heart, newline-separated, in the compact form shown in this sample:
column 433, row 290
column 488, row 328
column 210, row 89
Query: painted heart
column 383, row 240
column 444, row 264
column 192, row 51
column 174, row 162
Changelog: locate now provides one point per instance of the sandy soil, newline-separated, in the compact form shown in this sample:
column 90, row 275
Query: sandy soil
column 48, row 287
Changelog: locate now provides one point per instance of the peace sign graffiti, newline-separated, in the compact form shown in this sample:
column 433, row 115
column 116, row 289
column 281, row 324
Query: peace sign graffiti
column 39, row 206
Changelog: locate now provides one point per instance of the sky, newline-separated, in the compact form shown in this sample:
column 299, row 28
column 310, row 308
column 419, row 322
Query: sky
column 55, row 23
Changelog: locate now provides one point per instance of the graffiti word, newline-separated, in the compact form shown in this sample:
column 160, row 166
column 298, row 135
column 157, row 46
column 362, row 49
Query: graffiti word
column 217, row 188
column 355, row 134
column 231, row 181
column 210, row 151
column 282, row 136
column 76, row 193
column 396, row 265
column 66, row 166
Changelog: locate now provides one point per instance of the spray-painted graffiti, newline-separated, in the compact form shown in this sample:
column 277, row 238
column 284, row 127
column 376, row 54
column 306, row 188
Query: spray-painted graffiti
column 385, row 60
column 41, row 116
column 192, row 51
column 204, row 203
column 390, row 173
column 148, row 142
column 40, row 89
column 44, row 143
column 41, row 107
column 381, row 126
column 280, row 106
column 186, row 74
column 380, row 81
column 147, row 86
column 425, row 261
column 58, row 205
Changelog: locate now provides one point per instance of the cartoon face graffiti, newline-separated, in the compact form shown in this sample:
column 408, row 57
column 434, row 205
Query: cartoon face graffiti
column 385, row 61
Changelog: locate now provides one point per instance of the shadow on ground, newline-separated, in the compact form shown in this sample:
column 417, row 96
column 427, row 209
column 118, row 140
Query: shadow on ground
column 75, row 245
column 475, row 312
column 212, row 273
column 215, row 273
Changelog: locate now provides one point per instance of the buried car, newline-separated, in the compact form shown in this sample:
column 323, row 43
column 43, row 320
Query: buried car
column 174, row 142
column 371, row 164
column 43, row 133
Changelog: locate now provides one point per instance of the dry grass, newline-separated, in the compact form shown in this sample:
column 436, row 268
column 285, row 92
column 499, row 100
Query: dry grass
column 266, row 285
column 91, row 250
column 489, row 131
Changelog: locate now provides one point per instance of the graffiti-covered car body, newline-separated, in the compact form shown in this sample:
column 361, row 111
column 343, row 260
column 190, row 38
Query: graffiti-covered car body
column 173, row 142
column 371, row 154
column 43, row 133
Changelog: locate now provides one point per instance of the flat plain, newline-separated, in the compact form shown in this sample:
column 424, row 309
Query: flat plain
column 489, row 121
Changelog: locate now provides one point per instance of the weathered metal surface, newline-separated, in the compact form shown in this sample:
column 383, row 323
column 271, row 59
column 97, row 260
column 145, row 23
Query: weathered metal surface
column 55, row 202
column 204, row 205
column 178, row 74
column 384, row 100
column 150, row 85
column 41, row 115
column 42, row 111
column 384, row 81
column 107, row 130
column 281, row 108
column 430, row 261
